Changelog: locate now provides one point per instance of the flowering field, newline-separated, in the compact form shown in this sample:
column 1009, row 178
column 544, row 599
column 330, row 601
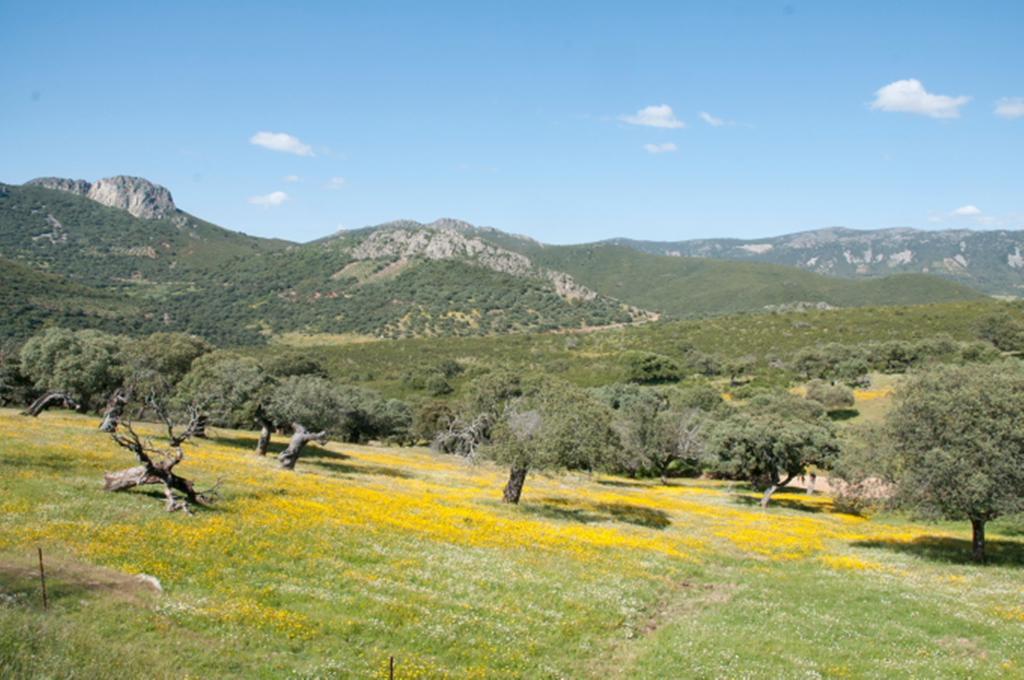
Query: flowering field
column 365, row 553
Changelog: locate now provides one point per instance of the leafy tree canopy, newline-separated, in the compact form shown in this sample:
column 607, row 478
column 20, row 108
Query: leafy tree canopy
column 958, row 432
column 84, row 364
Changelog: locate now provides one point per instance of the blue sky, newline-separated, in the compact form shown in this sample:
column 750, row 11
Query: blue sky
column 543, row 118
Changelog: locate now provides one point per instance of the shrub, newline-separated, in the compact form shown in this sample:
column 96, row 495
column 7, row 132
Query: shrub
column 833, row 397
column 650, row 368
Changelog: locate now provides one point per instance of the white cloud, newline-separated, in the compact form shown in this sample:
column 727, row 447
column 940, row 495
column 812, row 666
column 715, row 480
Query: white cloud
column 909, row 96
column 271, row 200
column 1010, row 107
column 713, row 121
column 336, row 182
column 654, row 116
column 967, row 211
column 292, row 179
column 281, row 141
column 667, row 147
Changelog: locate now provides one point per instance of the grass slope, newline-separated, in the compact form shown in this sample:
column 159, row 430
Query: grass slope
column 367, row 552
column 686, row 286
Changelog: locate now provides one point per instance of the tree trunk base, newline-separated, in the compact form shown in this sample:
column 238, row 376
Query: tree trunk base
column 514, row 488
column 978, row 540
column 263, row 443
column 290, row 456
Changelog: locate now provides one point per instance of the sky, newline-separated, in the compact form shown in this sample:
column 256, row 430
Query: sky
column 566, row 121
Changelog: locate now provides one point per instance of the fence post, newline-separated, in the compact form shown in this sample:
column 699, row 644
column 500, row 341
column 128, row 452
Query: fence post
column 42, row 578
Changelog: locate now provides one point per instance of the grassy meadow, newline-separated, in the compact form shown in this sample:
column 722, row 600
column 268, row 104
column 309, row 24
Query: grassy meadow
column 368, row 552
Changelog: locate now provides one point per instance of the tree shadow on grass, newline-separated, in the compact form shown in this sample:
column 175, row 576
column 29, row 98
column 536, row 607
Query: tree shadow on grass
column 843, row 414
column 156, row 492
column 51, row 463
column 788, row 503
column 247, row 444
column 348, row 469
column 625, row 484
column 953, row 550
column 590, row 513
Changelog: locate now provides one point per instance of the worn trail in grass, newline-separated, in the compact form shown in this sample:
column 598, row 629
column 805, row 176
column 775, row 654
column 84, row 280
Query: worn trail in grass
column 370, row 552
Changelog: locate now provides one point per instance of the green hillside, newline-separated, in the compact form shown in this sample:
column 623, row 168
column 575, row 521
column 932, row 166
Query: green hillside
column 30, row 299
column 185, row 274
column 92, row 243
column 685, row 286
column 401, row 279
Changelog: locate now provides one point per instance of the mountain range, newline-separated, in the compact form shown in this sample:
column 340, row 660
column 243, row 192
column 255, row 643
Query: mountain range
column 119, row 254
column 990, row 261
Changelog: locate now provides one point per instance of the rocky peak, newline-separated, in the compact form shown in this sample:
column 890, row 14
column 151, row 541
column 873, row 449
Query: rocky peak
column 138, row 196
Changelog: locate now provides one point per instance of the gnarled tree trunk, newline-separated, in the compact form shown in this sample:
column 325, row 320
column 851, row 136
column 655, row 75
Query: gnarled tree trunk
column 302, row 436
column 115, row 411
column 152, row 471
column 514, row 488
column 49, row 400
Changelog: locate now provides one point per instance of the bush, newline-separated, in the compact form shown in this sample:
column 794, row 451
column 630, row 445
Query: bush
column 648, row 368
column 436, row 385
column 1003, row 331
column 429, row 419
column 703, row 397
column 833, row 397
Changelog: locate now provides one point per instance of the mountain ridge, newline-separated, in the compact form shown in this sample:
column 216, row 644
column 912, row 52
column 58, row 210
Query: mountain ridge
column 401, row 278
column 989, row 260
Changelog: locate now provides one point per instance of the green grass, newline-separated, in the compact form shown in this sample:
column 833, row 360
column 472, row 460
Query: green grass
column 370, row 552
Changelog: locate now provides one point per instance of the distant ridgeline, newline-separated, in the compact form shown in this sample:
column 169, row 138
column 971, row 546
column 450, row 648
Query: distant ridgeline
column 990, row 261
column 117, row 254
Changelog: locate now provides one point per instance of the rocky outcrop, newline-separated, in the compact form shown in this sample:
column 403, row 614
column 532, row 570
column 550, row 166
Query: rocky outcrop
column 72, row 186
column 137, row 196
column 567, row 287
column 445, row 243
column 452, row 239
column 801, row 306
